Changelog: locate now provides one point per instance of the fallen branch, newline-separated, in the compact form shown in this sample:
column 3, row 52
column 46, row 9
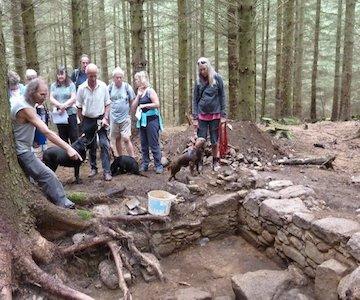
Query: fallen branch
column 119, row 267
column 323, row 161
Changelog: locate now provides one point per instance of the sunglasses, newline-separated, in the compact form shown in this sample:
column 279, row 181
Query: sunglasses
column 203, row 62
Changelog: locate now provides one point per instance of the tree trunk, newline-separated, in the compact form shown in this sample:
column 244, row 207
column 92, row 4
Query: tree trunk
column 28, row 20
column 103, row 48
column 115, row 31
column 287, row 55
column 76, row 31
column 265, row 55
column 85, row 26
column 216, row 33
column 94, row 34
column 315, row 62
column 347, row 60
column 335, row 104
column 153, row 50
column 126, row 42
column 137, row 36
column 299, row 57
column 191, row 54
column 147, row 31
column 246, row 105
column 202, row 28
column 278, row 87
column 232, row 58
column 182, row 38
column 17, row 38
column 63, row 37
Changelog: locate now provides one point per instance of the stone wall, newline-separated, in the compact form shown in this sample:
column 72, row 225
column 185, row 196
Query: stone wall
column 285, row 220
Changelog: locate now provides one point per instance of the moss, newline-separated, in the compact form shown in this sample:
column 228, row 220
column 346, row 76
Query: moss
column 84, row 214
column 77, row 197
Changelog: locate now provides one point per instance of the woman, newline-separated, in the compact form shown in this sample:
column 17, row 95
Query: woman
column 150, row 122
column 62, row 96
column 15, row 88
column 209, row 105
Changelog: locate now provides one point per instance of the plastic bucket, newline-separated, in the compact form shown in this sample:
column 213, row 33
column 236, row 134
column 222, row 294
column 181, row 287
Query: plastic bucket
column 159, row 202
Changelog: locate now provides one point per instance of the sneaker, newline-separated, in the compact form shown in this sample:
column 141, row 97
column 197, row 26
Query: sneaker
column 143, row 168
column 69, row 204
column 216, row 165
column 92, row 173
column 159, row 169
column 107, row 177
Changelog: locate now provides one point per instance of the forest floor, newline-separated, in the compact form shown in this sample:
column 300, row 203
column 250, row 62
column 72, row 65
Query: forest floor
column 212, row 265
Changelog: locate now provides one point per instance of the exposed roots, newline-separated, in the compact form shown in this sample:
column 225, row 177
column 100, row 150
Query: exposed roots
column 48, row 282
column 86, row 199
column 95, row 241
column 136, row 219
column 115, row 250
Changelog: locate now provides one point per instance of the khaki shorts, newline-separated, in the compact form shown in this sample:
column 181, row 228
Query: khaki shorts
column 122, row 129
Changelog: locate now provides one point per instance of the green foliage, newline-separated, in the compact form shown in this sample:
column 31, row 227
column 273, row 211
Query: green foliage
column 77, row 197
column 85, row 214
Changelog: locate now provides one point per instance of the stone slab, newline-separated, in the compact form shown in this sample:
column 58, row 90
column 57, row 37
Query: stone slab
column 275, row 210
column 254, row 198
column 296, row 191
column 349, row 286
column 353, row 246
column 333, row 230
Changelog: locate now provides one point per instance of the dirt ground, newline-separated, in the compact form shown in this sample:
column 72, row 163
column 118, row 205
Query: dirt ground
column 211, row 266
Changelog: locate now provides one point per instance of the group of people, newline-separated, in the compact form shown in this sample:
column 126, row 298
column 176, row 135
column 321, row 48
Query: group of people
column 94, row 108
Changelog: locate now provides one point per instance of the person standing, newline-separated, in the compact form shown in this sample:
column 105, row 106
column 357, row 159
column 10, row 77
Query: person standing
column 24, row 121
column 63, row 96
column 14, row 86
column 209, row 105
column 93, row 103
column 150, row 122
column 121, row 96
column 79, row 76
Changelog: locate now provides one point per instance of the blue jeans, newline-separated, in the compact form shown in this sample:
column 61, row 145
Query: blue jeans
column 149, row 137
column 90, row 129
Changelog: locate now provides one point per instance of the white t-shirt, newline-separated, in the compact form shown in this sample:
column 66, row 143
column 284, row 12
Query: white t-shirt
column 93, row 102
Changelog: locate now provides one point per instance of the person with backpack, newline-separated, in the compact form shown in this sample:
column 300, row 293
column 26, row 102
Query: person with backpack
column 209, row 106
column 79, row 75
column 121, row 95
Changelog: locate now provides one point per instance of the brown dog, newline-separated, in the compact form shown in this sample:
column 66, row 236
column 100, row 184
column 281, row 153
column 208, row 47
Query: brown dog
column 192, row 157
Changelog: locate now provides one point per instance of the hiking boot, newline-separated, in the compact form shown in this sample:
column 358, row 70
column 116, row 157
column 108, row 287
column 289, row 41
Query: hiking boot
column 107, row 177
column 69, row 204
column 159, row 169
column 143, row 168
column 216, row 165
column 92, row 173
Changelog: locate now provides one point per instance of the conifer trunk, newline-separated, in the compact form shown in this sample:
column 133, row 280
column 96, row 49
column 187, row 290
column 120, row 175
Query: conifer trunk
column 278, row 70
column 265, row 54
column 17, row 38
column 76, row 31
column 103, row 47
column 126, row 42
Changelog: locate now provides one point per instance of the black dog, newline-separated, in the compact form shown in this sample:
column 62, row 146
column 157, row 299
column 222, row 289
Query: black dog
column 56, row 156
column 125, row 164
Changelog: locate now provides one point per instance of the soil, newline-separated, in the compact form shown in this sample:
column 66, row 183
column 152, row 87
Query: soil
column 211, row 266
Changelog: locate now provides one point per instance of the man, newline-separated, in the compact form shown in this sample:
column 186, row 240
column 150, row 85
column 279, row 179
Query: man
column 15, row 88
column 78, row 77
column 93, row 103
column 121, row 96
column 25, row 120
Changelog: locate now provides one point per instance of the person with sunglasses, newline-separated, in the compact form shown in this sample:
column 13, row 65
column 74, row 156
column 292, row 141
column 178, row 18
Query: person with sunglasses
column 209, row 105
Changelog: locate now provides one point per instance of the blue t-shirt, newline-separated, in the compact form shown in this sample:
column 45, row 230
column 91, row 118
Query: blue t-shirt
column 63, row 93
column 120, row 101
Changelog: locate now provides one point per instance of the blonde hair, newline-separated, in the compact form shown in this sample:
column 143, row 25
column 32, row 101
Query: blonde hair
column 118, row 71
column 211, row 71
column 143, row 77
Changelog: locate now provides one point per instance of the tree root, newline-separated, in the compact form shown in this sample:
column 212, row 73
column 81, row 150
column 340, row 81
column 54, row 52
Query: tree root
column 136, row 219
column 97, row 240
column 48, row 282
column 84, row 199
column 119, row 266
column 5, row 274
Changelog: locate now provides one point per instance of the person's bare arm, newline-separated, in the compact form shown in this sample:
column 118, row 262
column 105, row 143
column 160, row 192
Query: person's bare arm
column 29, row 115
column 70, row 102
column 54, row 101
column 105, row 120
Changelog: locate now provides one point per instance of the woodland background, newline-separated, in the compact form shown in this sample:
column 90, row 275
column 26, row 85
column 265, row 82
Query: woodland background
column 278, row 58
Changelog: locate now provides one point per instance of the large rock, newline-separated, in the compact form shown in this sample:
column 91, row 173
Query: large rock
column 303, row 220
column 295, row 255
column 253, row 200
column 349, row 286
column 313, row 253
column 109, row 276
column 327, row 279
column 296, row 191
column 293, row 294
column 176, row 187
column 279, row 184
column 222, row 203
column 333, row 230
column 260, row 285
column 189, row 294
column 276, row 209
column 353, row 246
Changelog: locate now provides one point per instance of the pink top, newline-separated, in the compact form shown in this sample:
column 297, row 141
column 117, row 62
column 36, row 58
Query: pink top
column 209, row 117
